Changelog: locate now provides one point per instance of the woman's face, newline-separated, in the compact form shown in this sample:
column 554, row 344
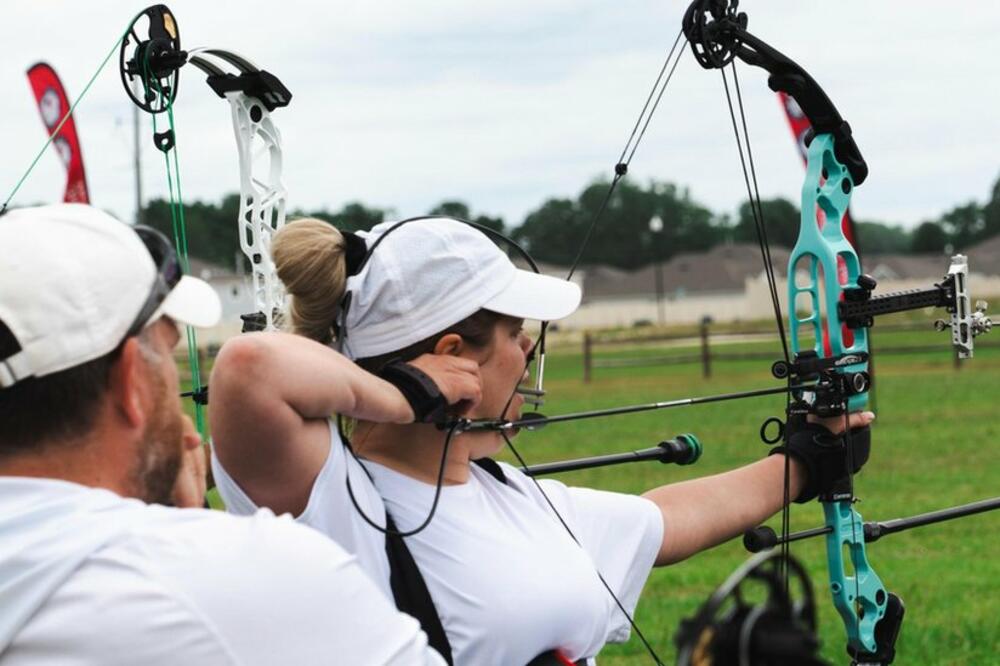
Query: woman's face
column 502, row 367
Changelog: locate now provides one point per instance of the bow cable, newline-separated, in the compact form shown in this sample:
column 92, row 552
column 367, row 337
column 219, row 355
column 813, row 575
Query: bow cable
column 753, row 197
column 168, row 146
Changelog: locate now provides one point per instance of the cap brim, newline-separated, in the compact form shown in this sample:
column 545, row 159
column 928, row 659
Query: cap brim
column 535, row 296
column 192, row 302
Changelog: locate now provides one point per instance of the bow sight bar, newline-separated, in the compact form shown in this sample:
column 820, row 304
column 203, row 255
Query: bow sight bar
column 154, row 60
column 859, row 308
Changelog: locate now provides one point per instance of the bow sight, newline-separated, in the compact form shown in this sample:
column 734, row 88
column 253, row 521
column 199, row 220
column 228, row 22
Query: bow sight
column 833, row 385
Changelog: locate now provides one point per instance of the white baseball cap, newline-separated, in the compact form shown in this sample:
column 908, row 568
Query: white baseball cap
column 430, row 273
column 74, row 282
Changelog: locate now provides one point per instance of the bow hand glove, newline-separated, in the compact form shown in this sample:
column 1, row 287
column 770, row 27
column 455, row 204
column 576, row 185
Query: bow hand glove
column 826, row 457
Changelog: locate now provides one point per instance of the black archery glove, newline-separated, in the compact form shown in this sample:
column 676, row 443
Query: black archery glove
column 824, row 455
column 428, row 403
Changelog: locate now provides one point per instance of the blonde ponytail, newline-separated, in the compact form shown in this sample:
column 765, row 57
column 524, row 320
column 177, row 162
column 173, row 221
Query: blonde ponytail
column 309, row 257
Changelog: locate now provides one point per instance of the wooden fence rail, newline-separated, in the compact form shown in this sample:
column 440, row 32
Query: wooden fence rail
column 708, row 354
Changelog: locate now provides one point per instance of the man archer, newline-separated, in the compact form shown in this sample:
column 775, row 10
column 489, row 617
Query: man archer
column 92, row 433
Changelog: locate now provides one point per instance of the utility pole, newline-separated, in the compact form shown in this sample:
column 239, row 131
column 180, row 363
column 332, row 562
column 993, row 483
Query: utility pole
column 656, row 227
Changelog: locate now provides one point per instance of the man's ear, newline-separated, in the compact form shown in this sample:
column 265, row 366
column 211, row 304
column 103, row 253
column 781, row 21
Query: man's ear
column 127, row 384
column 450, row 344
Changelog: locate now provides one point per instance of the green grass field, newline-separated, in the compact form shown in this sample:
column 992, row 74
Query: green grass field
column 933, row 447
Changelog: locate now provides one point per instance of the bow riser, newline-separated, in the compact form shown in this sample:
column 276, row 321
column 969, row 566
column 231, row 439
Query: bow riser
column 262, row 198
column 830, row 265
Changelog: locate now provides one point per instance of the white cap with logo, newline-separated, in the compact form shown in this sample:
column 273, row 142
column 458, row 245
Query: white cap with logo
column 431, row 273
column 73, row 280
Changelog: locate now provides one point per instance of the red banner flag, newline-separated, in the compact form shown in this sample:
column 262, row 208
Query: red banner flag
column 53, row 106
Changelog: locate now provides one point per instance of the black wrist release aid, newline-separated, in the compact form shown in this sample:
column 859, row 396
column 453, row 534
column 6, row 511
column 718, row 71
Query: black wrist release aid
column 424, row 396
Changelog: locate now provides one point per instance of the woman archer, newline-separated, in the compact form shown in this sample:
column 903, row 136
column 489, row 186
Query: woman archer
column 429, row 313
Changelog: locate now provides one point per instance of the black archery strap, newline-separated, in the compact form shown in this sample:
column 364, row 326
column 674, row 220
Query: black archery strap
column 492, row 467
column 410, row 592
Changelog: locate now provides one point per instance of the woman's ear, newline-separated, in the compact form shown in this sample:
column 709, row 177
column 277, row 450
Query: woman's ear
column 450, row 344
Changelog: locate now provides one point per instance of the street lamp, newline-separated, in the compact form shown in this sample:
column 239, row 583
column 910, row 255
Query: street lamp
column 656, row 227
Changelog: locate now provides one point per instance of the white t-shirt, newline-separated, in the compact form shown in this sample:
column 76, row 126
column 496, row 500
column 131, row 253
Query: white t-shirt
column 87, row 577
column 507, row 580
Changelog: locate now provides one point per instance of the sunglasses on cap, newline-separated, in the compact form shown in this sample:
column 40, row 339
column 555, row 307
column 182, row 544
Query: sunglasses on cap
column 168, row 274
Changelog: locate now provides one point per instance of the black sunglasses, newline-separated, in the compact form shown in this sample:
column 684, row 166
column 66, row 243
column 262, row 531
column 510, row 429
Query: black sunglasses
column 168, row 274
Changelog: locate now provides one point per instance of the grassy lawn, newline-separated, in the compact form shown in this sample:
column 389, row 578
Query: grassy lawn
column 933, row 447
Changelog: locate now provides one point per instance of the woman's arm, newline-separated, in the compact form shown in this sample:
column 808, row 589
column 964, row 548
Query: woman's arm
column 705, row 512
column 271, row 394
column 702, row 513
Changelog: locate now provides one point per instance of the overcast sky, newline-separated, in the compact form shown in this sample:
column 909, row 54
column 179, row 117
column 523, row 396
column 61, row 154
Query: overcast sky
column 504, row 104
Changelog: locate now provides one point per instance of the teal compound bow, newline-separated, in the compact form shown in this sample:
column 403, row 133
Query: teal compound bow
column 826, row 363
column 829, row 344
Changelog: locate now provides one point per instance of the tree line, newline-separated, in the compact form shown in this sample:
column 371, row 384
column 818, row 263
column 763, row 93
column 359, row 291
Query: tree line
column 642, row 224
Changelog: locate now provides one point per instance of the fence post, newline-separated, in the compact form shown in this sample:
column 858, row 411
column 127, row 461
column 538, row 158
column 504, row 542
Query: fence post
column 706, row 354
column 587, row 343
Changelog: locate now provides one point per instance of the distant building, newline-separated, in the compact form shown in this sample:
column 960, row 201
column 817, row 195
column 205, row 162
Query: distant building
column 236, row 294
column 726, row 283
